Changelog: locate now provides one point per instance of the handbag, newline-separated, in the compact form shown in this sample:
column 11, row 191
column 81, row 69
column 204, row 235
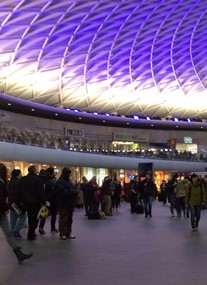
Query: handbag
column 43, row 212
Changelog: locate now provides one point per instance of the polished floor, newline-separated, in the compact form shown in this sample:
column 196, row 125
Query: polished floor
column 125, row 249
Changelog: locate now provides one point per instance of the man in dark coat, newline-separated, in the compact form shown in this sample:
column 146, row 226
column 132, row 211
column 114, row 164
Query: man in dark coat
column 65, row 203
column 32, row 197
column 148, row 190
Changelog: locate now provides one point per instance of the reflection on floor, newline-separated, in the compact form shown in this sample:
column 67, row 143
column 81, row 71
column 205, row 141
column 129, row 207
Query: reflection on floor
column 124, row 249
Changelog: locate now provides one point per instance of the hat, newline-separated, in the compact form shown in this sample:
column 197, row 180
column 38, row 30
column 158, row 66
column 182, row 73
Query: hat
column 66, row 171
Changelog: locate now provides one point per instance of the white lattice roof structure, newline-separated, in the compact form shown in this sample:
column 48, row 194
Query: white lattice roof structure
column 126, row 57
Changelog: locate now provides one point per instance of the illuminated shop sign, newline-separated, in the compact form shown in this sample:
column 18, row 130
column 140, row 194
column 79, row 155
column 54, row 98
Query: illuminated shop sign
column 129, row 138
column 73, row 132
column 188, row 140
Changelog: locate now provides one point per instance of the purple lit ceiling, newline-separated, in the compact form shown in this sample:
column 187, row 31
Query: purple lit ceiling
column 122, row 57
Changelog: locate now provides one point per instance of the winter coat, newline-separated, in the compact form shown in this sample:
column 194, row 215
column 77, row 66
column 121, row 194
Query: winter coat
column 148, row 188
column 181, row 188
column 3, row 196
column 195, row 194
column 92, row 192
column 50, row 189
column 13, row 190
column 65, row 193
column 108, row 188
column 31, row 190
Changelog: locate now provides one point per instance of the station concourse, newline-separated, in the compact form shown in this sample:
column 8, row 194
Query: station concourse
column 124, row 249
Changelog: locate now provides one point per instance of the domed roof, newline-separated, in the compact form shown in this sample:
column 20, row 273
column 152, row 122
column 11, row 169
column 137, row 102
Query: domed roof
column 121, row 57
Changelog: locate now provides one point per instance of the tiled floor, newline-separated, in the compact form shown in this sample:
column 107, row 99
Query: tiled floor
column 125, row 249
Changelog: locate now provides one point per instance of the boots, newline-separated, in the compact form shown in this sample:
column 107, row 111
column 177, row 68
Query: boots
column 20, row 255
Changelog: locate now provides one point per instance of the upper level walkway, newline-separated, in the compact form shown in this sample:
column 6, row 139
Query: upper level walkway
column 56, row 140
column 35, row 154
column 124, row 249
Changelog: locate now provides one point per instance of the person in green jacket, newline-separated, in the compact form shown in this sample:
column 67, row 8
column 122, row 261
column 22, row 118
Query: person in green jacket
column 195, row 197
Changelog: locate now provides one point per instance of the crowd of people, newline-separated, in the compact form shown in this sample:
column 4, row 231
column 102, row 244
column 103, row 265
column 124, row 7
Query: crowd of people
column 24, row 198
column 185, row 196
column 27, row 197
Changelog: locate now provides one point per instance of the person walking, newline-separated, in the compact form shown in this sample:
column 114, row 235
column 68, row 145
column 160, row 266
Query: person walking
column 147, row 192
column 195, row 197
column 32, row 197
column 180, row 197
column 4, row 223
column 163, row 192
column 66, row 195
column 18, row 217
column 134, row 193
column 171, row 190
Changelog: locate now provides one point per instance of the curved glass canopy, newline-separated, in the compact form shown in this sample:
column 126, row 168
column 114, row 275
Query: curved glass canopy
column 126, row 57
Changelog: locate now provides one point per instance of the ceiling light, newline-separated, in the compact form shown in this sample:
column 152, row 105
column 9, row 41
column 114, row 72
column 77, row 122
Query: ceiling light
column 148, row 118
column 176, row 120
column 136, row 117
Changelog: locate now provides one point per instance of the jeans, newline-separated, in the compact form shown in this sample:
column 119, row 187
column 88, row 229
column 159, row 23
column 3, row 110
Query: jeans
column 17, row 221
column 195, row 212
column 181, row 206
column 4, row 224
column 148, row 205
